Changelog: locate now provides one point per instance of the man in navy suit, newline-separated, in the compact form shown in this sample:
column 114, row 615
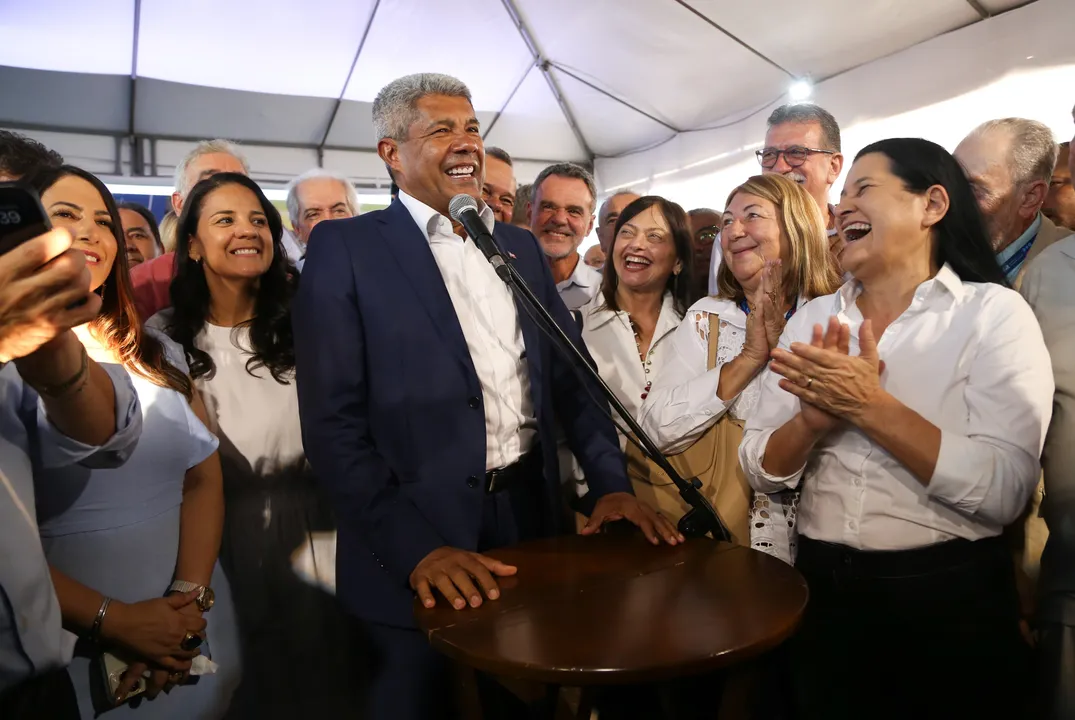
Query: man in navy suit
column 428, row 398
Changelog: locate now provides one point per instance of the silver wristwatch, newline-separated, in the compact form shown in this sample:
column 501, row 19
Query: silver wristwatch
column 206, row 596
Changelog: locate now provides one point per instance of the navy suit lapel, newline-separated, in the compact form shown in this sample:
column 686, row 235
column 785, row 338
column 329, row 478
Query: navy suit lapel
column 410, row 246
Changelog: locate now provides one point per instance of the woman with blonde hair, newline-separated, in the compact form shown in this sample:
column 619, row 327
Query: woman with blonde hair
column 775, row 259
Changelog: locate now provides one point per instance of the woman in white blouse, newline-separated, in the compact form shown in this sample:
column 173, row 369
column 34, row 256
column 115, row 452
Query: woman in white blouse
column 775, row 258
column 645, row 290
column 231, row 312
column 912, row 406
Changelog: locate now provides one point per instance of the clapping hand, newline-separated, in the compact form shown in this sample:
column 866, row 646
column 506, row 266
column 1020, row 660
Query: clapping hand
column 830, row 382
column 765, row 322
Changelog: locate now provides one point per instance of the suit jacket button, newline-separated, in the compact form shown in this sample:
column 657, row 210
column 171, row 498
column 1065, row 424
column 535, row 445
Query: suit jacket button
column 475, row 403
column 472, row 482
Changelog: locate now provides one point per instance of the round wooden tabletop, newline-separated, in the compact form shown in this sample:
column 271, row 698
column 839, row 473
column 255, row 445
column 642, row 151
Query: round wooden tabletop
column 614, row 609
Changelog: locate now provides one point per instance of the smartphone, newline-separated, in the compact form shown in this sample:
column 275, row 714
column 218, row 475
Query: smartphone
column 22, row 217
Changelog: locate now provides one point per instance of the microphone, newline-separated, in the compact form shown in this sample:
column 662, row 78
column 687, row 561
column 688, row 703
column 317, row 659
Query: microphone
column 464, row 210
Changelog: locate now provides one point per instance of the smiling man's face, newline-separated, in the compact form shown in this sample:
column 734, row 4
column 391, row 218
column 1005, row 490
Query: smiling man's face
column 442, row 155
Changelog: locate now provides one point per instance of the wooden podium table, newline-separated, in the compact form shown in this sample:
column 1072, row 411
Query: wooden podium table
column 614, row 609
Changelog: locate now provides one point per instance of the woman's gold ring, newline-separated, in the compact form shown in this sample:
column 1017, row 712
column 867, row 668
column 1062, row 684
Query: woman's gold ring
column 809, row 382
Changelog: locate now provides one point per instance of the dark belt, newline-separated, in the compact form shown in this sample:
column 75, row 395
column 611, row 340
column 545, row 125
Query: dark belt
column 900, row 563
column 502, row 478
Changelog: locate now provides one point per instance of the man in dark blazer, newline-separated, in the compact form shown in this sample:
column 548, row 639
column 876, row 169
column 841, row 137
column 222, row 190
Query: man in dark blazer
column 428, row 398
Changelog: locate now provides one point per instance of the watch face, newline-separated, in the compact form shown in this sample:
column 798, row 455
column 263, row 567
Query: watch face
column 206, row 599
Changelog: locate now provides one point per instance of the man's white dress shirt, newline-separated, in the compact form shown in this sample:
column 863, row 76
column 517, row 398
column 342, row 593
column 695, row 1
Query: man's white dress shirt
column 969, row 358
column 490, row 323
column 581, row 287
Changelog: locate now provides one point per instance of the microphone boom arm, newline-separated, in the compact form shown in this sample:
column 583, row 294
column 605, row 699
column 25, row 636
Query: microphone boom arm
column 701, row 519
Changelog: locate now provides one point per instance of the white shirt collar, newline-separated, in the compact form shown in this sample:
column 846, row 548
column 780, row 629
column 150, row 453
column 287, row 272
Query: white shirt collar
column 583, row 276
column 945, row 280
column 598, row 314
column 429, row 220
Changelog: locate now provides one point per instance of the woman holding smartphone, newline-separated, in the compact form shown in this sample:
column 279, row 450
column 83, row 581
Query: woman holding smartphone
column 133, row 550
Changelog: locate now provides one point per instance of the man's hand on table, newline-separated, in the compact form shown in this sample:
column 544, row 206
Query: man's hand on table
column 453, row 573
column 625, row 506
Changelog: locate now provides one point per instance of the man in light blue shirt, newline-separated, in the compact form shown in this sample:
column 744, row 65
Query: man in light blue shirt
column 57, row 407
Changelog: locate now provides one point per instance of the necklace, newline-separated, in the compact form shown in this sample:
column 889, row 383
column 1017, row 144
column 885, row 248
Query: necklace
column 645, row 358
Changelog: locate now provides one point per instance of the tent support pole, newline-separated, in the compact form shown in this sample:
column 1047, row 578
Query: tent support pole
column 544, row 64
column 343, row 90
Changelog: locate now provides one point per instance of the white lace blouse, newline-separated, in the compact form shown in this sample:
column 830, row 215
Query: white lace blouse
column 683, row 404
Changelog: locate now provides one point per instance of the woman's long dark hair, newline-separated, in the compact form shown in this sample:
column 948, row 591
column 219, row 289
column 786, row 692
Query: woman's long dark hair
column 681, row 286
column 271, row 340
column 962, row 241
column 148, row 216
column 118, row 326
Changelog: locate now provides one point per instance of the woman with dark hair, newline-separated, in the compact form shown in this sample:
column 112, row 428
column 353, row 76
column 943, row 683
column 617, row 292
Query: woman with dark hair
column 143, row 237
column 911, row 406
column 645, row 290
column 133, row 551
column 775, row 259
column 231, row 312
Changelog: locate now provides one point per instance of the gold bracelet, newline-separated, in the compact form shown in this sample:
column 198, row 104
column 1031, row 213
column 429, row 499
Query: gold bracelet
column 70, row 386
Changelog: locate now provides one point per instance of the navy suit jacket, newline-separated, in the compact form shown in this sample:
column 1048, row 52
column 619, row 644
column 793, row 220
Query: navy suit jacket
column 393, row 420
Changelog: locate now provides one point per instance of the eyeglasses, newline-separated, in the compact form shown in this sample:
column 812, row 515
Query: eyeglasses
column 794, row 156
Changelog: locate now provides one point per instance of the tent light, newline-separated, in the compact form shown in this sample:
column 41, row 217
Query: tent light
column 800, row 90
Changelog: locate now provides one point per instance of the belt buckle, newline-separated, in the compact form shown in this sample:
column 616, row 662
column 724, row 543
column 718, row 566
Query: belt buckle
column 494, row 476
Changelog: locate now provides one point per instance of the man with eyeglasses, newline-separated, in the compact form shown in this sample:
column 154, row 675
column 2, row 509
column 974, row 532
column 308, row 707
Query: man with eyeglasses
column 802, row 144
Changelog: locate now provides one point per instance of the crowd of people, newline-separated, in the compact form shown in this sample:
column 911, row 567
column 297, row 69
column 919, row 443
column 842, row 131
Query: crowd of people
column 234, row 454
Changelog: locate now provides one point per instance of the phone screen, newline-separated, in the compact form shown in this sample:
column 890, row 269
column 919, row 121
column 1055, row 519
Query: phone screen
column 21, row 215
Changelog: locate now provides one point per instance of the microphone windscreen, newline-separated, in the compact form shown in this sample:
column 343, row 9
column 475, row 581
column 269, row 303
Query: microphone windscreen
column 459, row 203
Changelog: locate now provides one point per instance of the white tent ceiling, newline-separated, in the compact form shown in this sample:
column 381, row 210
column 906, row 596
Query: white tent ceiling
column 124, row 86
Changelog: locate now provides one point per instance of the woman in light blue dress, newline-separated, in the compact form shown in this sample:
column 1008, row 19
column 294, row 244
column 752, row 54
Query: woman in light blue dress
column 119, row 541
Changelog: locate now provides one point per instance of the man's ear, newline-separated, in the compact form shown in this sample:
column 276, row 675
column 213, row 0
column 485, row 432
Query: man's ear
column 388, row 151
column 1033, row 198
column 836, row 166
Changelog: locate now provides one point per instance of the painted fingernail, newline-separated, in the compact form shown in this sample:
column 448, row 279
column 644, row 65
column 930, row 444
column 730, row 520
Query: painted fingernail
column 429, row 603
column 494, row 594
column 459, row 604
column 475, row 601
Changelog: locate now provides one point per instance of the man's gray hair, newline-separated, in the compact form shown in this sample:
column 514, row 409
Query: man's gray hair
column 394, row 108
column 293, row 209
column 206, row 147
column 802, row 113
column 1032, row 156
column 703, row 211
column 568, row 170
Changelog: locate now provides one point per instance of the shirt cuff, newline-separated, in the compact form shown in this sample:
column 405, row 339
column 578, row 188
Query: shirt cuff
column 751, row 457
column 955, row 480
column 689, row 418
column 59, row 450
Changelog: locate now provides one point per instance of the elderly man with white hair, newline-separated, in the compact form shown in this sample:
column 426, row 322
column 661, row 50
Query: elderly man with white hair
column 151, row 280
column 1009, row 163
column 314, row 196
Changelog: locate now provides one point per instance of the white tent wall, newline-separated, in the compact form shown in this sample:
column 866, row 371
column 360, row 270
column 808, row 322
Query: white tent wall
column 1021, row 63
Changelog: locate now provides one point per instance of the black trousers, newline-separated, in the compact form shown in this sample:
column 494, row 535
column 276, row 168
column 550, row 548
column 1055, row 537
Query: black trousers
column 925, row 633
column 1054, row 692
column 45, row 697
column 410, row 680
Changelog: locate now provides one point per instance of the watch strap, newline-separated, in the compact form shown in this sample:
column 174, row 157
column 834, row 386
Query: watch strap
column 182, row 586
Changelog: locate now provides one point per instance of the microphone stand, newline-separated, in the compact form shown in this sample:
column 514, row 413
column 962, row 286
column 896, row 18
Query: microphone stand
column 701, row 519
